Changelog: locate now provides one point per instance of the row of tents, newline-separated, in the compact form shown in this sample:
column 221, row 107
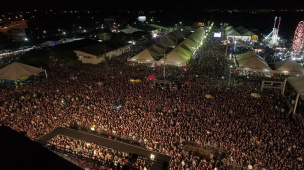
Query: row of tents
column 240, row 33
column 177, row 49
column 250, row 61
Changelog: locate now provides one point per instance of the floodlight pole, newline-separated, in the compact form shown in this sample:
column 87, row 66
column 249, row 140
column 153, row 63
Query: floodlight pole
column 283, row 88
column 105, row 58
column 132, row 47
column 229, row 81
column 226, row 49
column 25, row 39
column 16, row 84
column 164, row 71
column 22, row 48
column 296, row 104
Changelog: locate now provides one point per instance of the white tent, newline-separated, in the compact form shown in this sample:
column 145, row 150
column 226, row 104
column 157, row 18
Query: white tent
column 191, row 49
column 168, row 43
column 198, row 35
column 189, row 43
column 174, row 58
column 244, row 31
column 235, row 34
column 179, row 56
column 288, row 66
column 130, row 30
column 145, row 56
column 200, row 31
column 251, row 62
column 17, row 70
column 183, row 51
column 178, row 35
column 156, row 49
column 230, row 31
column 298, row 84
column 194, row 37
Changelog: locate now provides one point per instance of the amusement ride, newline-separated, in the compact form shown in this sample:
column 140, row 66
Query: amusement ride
column 296, row 52
column 272, row 39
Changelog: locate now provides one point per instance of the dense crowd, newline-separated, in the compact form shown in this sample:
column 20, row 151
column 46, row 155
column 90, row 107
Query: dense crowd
column 251, row 132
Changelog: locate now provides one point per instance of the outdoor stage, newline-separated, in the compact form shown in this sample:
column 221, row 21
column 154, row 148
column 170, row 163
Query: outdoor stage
column 161, row 161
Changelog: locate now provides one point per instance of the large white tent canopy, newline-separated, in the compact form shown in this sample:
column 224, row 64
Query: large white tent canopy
column 298, row 84
column 251, row 62
column 184, row 46
column 18, row 70
column 195, row 38
column 190, row 44
column 200, row 31
column 178, row 56
column 168, row 43
column 244, row 31
column 157, row 49
column 230, row 31
column 130, row 30
column 288, row 66
column 145, row 56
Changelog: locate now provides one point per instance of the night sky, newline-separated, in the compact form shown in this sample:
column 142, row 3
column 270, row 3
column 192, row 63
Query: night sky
column 187, row 5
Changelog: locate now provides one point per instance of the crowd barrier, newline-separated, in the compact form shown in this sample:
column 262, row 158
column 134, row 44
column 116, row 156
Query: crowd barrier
column 94, row 160
column 85, row 157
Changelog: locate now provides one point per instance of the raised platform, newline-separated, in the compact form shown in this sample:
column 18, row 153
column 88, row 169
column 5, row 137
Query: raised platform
column 161, row 161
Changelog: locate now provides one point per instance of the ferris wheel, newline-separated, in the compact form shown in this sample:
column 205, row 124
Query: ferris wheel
column 298, row 39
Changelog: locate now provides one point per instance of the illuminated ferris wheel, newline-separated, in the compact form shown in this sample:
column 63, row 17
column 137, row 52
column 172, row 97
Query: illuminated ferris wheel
column 298, row 39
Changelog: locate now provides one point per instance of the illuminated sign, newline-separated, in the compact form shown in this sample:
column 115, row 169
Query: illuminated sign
column 217, row 34
column 254, row 38
column 142, row 18
column 201, row 24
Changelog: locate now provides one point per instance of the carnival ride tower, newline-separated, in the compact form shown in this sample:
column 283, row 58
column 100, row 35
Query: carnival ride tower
column 272, row 39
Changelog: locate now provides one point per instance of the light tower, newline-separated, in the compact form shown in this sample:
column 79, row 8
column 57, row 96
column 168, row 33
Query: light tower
column 272, row 38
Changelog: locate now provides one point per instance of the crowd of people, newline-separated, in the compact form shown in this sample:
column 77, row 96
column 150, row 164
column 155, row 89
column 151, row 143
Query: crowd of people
column 102, row 155
column 249, row 132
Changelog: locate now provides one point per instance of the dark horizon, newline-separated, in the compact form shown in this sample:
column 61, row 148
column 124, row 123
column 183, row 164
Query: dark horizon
column 182, row 6
column 172, row 12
